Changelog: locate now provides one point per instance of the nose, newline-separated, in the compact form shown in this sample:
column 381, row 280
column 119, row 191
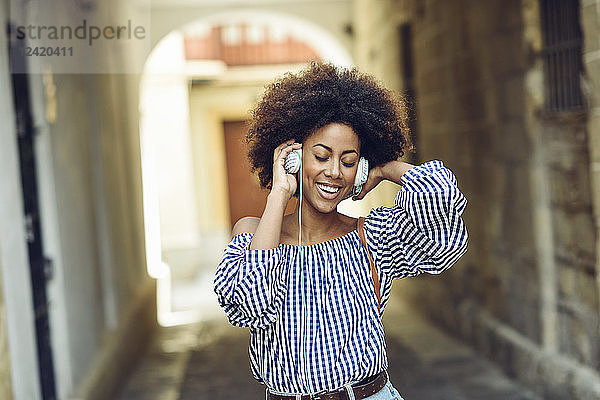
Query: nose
column 333, row 169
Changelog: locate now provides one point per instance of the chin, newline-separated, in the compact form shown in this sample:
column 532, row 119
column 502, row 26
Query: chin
column 326, row 207
column 323, row 205
column 327, row 210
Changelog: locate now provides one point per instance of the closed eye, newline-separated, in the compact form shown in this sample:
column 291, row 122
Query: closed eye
column 345, row 164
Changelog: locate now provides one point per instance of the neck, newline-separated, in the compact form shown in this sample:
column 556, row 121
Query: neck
column 316, row 226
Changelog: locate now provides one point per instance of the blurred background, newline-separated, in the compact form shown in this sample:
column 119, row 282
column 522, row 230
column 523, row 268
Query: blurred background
column 122, row 172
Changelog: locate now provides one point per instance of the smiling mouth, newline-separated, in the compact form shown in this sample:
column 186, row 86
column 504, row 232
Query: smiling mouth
column 328, row 191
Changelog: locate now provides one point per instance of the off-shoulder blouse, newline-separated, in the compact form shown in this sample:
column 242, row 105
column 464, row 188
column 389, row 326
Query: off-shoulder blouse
column 316, row 326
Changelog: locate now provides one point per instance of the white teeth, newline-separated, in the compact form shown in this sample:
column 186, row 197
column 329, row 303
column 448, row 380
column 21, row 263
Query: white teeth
column 327, row 188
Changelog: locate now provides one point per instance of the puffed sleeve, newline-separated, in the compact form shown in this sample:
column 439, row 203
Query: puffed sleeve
column 250, row 284
column 424, row 231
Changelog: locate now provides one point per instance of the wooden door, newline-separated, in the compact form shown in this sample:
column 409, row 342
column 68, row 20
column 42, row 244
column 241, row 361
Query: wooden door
column 246, row 198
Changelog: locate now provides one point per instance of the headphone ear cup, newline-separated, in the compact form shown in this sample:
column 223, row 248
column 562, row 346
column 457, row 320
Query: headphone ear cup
column 292, row 162
column 362, row 172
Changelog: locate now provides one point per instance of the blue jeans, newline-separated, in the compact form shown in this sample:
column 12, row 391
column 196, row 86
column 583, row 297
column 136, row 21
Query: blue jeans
column 388, row 392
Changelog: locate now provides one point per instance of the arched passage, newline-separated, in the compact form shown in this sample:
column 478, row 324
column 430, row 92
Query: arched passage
column 184, row 105
column 324, row 24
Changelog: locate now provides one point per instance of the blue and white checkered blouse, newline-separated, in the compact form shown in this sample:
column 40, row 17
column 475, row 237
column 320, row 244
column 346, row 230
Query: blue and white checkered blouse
column 318, row 327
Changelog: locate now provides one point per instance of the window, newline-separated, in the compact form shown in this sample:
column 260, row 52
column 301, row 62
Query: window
column 561, row 52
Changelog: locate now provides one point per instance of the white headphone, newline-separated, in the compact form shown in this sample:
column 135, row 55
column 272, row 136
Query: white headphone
column 362, row 173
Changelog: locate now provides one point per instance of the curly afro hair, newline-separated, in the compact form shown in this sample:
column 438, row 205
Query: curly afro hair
column 296, row 105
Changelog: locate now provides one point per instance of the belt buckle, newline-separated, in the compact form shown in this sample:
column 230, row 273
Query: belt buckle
column 317, row 396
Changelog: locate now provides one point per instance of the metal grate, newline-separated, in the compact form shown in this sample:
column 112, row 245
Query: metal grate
column 562, row 54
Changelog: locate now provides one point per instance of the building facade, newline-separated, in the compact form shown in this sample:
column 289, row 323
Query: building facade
column 506, row 92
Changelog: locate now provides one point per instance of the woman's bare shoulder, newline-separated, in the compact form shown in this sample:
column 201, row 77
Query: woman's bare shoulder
column 246, row 224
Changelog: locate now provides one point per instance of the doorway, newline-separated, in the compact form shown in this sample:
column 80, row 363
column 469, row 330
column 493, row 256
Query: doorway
column 246, row 197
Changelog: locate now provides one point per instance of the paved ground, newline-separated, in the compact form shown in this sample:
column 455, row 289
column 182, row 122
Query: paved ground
column 209, row 360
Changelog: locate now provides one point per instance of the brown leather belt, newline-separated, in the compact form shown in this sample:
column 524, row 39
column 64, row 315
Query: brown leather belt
column 361, row 390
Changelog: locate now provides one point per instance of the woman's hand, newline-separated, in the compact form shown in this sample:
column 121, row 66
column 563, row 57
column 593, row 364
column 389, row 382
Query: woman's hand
column 284, row 183
column 391, row 171
column 375, row 176
column 268, row 230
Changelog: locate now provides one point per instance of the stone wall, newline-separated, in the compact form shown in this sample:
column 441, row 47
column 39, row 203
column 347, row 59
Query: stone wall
column 574, row 241
column 470, row 72
column 590, row 21
column 5, row 379
column 526, row 293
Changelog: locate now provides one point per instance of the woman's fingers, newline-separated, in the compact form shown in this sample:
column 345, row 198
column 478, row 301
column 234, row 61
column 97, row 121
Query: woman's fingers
column 281, row 179
column 366, row 188
column 285, row 151
column 279, row 149
column 373, row 180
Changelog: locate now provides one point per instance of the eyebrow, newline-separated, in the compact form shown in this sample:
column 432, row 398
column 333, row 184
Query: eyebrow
column 330, row 150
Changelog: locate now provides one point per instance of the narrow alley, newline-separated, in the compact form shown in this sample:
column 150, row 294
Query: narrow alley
column 124, row 168
column 209, row 361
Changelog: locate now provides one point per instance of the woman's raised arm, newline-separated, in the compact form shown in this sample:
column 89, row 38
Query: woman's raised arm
column 424, row 231
column 268, row 231
column 391, row 171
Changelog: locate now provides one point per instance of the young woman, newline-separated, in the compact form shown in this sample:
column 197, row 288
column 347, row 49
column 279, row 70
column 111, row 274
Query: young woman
column 314, row 310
